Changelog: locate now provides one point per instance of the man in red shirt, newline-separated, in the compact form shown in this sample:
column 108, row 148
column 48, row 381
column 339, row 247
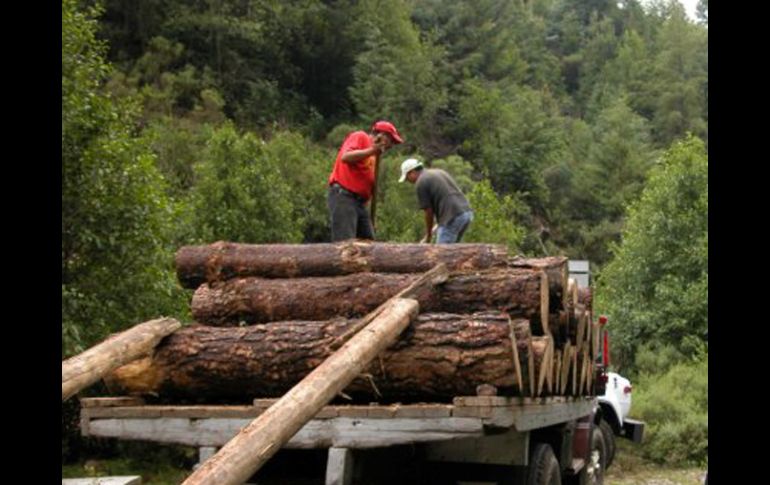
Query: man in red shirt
column 352, row 180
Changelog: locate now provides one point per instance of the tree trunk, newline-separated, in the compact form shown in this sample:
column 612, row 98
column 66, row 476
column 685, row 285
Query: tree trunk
column 243, row 455
column 259, row 300
column 438, row 357
column 555, row 268
column 88, row 367
column 223, row 260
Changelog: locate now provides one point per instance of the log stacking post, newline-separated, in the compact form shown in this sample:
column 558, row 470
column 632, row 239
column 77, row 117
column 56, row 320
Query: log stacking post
column 540, row 353
column 523, row 335
column 516, row 362
column 566, row 362
column 242, row 456
column 574, row 371
column 84, row 369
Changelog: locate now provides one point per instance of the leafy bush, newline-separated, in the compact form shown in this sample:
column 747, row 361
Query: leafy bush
column 674, row 405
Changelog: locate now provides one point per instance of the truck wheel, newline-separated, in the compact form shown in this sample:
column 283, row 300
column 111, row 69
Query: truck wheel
column 609, row 441
column 543, row 467
column 593, row 472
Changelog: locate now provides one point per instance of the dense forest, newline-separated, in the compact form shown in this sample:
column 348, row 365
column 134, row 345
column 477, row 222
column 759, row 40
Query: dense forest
column 575, row 127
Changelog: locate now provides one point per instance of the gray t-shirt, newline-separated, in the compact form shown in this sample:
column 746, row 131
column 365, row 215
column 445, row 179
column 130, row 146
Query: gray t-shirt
column 437, row 190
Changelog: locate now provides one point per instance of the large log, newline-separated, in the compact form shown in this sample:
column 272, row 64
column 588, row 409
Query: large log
column 555, row 267
column 223, row 260
column 585, row 297
column 88, row 367
column 243, row 455
column 258, row 300
column 437, row 357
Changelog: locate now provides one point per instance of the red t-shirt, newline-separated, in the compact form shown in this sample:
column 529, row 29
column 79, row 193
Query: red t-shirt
column 356, row 177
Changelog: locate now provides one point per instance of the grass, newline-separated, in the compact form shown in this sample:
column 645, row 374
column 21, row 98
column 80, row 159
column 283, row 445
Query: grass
column 630, row 468
column 152, row 474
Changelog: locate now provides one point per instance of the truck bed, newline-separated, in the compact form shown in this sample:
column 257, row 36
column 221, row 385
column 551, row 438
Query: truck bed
column 335, row 426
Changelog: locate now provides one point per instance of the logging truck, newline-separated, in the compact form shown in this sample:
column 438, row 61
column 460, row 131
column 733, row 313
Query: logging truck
column 481, row 365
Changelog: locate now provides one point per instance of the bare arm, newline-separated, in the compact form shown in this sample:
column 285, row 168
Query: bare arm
column 428, row 224
column 355, row 156
column 381, row 143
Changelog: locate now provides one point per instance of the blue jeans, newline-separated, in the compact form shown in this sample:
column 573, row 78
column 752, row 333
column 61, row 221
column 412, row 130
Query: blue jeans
column 455, row 228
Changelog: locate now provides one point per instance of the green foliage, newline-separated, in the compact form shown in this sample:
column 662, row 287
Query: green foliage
column 237, row 176
column 674, row 404
column 512, row 136
column 495, row 218
column 399, row 217
column 681, row 73
column 396, row 73
column 116, row 217
column 305, row 167
column 656, row 288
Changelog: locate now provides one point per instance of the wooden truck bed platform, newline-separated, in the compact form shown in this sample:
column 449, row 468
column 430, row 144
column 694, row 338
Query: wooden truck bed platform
column 335, row 426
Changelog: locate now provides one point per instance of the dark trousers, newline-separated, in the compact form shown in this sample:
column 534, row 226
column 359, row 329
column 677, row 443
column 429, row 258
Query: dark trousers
column 349, row 217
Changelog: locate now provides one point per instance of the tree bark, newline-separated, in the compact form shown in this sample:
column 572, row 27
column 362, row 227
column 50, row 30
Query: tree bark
column 555, row 267
column 243, row 455
column 438, row 357
column 223, row 260
column 88, row 367
column 258, row 300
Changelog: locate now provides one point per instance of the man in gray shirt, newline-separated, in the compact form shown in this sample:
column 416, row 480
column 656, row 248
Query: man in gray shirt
column 439, row 196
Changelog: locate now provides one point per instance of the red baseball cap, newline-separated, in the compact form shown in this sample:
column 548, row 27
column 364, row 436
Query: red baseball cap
column 388, row 127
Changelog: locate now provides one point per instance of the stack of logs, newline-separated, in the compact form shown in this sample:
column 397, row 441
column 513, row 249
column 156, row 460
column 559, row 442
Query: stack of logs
column 267, row 315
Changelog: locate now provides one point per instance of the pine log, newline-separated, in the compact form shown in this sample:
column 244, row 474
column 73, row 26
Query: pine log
column 437, row 357
column 585, row 297
column 258, row 300
column 88, row 367
column 580, row 323
column 224, row 260
column 573, row 294
column 556, row 269
column 243, row 455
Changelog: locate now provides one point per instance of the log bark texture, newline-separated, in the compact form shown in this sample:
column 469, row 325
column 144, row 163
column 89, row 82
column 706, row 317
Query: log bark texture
column 243, row 455
column 223, row 260
column 437, row 357
column 555, row 267
column 258, row 300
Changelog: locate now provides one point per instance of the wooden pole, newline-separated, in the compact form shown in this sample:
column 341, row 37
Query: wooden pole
column 84, row 369
column 373, row 204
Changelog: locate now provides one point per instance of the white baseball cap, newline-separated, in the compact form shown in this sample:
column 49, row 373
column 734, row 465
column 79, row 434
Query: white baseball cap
column 408, row 166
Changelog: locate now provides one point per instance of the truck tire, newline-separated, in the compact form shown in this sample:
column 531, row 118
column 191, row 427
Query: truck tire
column 609, row 441
column 593, row 472
column 543, row 467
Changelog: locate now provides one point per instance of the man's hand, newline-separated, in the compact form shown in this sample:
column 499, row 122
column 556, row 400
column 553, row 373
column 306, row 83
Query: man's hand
column 382, row 143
